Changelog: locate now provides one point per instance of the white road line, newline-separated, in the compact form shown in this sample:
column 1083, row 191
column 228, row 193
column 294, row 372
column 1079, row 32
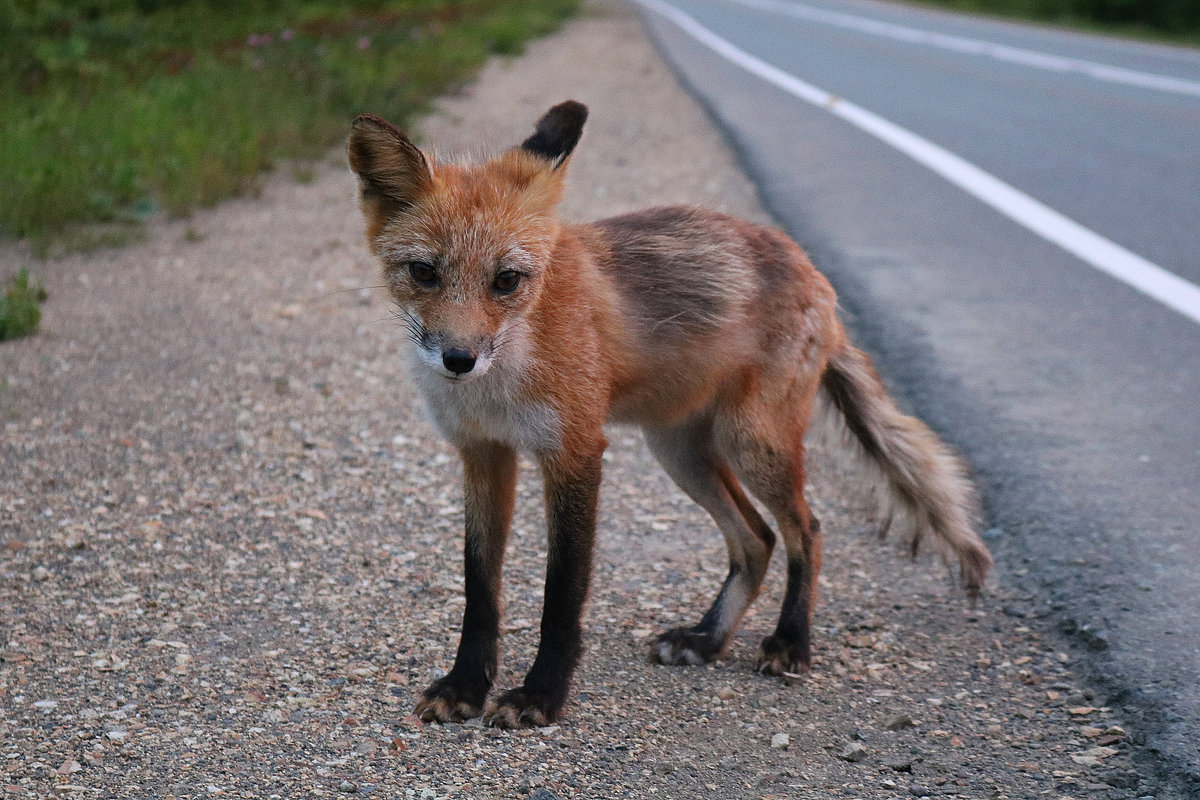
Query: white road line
column 1103, row 254
column 980, row 47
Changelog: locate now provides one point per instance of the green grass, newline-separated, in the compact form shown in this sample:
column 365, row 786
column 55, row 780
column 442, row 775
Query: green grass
column 1166, row 20
column 113, row 110
column 19, row 306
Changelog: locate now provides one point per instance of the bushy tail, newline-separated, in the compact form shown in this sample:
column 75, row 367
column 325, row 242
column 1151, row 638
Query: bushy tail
column 926, row 483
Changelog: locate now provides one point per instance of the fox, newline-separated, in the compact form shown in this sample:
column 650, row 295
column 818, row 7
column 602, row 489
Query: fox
column 716, row 336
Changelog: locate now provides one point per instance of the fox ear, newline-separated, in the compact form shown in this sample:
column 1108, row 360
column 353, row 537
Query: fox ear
column 557, row 133
column 391, row 171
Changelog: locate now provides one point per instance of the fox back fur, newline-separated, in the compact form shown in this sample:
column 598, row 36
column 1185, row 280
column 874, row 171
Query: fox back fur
column 716, row 336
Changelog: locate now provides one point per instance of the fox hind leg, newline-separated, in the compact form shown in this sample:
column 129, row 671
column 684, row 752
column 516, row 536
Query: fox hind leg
column 769, row 459
column 687, row 454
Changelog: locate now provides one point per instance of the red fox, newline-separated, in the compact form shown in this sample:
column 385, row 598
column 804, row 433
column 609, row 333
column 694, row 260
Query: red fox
column 716, row 336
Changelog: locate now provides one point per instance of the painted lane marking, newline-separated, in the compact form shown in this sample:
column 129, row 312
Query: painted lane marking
column 980, row 47
column 1103, row 254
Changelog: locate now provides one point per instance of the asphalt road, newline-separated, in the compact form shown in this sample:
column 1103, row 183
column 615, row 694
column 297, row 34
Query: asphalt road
column 1074, row 396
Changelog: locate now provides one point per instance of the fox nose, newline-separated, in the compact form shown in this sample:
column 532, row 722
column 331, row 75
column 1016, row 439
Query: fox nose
column 458, row 361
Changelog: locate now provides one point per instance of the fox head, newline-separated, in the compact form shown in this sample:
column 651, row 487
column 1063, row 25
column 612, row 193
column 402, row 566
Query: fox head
column 465, row 247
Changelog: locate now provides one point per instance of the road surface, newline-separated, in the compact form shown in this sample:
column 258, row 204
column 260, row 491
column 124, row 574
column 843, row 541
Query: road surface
column 1010, row 214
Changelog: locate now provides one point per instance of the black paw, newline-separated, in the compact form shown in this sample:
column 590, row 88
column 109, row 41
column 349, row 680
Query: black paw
column 685, row 646
column 448, row 700
column 786, row 657
column 523, row 708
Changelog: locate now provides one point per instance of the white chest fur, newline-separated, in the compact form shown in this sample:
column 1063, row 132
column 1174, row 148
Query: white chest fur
column 493, row 407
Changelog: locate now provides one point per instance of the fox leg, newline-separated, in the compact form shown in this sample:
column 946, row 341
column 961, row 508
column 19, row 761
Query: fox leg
column 572, row 493
column 687, row 455
column 489, row 478
column 766, row 450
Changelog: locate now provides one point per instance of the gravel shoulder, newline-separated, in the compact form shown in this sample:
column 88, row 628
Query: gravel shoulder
column 229, row 539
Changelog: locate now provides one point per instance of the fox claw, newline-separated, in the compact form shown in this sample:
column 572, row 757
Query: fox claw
column 520, row 708
column 782, row 658
column 445, row 701
column 685, row 647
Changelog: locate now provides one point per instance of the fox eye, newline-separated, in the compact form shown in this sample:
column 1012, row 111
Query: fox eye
column 422, row 273
column 506, row 281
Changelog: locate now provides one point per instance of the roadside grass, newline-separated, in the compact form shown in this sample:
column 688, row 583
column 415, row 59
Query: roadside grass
column 20, row 313
column 114, row 110
column 1172, row 21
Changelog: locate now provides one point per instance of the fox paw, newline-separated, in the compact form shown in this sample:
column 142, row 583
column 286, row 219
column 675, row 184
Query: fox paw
column 784, row 657
column 522, row 708
column 449, row 701
column 685, row 646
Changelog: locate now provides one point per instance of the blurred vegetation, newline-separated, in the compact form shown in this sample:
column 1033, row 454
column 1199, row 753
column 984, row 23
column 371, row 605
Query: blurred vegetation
column 19, row 306
column 111, row 110
column 1174, row 19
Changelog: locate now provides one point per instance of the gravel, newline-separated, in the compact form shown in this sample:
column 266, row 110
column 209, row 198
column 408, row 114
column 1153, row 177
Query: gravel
column 229, row 539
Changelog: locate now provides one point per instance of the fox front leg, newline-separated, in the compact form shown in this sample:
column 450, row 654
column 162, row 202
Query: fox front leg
column 489, row 480
column 571, row 499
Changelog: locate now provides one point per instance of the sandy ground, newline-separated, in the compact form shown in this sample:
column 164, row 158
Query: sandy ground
column 229, row 539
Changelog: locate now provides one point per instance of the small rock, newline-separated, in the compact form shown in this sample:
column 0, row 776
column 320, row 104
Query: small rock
column 853, row 752
column 1121, row 779
column 349, row 787
column 780, row 741
column 69, row 766
column 1093, row 756
column 726, row 693
column 917, row 790
column 898, row 723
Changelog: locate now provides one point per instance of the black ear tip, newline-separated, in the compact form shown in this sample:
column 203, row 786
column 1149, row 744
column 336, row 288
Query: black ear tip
column 558, row 132
column 570, row 113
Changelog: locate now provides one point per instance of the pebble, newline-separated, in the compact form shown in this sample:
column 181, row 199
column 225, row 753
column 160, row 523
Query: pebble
column 898, row 722
column 780, row 741
column 853, row 752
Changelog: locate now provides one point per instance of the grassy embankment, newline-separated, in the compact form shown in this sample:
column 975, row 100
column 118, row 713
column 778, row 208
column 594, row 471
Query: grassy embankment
column 1169, row 20
column 112, row 110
